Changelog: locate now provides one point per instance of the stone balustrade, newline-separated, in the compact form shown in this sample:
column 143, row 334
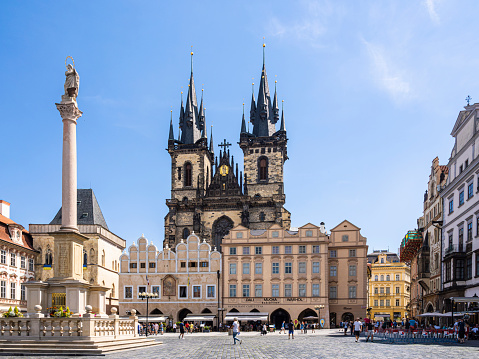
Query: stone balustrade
column 87, row 327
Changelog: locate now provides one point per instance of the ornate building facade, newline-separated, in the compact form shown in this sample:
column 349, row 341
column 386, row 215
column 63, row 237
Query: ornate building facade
column 209, row 196
column 185, row 279
column 389, row 286
column 17, row 260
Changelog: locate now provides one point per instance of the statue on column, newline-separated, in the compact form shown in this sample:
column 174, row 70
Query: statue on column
column 72, row 81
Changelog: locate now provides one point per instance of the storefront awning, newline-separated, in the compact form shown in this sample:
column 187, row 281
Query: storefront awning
column 260, row 318
column 153, row 319
column 200, row 317
column 382, row 315
column 465, row 299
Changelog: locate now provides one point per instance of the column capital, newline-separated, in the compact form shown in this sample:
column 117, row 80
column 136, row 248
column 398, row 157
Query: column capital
column 69, row 111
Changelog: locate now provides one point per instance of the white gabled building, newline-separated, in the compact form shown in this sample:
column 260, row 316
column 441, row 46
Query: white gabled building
column 460, row 195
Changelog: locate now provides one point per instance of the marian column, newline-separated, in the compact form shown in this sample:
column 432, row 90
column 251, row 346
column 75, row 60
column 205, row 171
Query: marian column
column 70, row 113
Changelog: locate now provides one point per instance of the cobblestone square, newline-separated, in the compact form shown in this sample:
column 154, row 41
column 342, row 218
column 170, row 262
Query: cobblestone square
column 322, row 344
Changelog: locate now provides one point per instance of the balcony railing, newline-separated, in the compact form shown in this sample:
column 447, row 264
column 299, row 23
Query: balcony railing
column 454, row 248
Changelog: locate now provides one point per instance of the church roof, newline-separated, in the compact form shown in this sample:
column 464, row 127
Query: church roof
column 88, row 210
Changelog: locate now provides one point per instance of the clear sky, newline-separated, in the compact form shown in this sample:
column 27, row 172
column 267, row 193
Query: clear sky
column 371, row 92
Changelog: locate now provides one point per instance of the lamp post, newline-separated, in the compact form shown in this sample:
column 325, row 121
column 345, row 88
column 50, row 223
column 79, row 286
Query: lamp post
column 318, row 308
column 218, row 295
column 147, row 296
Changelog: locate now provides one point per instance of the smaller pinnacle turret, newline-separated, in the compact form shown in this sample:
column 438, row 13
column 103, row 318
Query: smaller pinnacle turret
column 283, row 127
column 171, row 137
column 211, row 140
column 243, row 123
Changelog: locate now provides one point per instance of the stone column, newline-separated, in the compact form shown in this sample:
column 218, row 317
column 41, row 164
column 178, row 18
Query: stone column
column 70, row 113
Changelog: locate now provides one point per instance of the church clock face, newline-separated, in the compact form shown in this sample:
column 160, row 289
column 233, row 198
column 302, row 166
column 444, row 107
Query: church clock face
column 224, row 170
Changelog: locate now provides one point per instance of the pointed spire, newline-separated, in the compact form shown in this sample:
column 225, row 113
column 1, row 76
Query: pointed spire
column 283, row 127
column 243, row 123
column 275, row 104
column 211, row 140
column 191, row 125
column 171, row 137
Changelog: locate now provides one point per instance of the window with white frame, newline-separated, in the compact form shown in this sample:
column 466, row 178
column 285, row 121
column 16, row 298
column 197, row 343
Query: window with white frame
column 128, row 292
column 333, row 292
column 258, row 250
column 288, row 268
column 232, row 290
column 3, row 289
column 302, row 249
column 13, row 258
column 258, row 290
column 23, row 263
column 232, row 268
column 352, row 270
column 183, row 291
column 275, row 249
column 352, row 291
column 141, row 289
column 258, row 268
column 245, row 250
column 155, row 289
column 245, row 290
column 333, row 271
column 13, row 293
column 315, row 267
column 232, row 250
column 275, row 268
column 246, row 268
column 398, row 277
column 302, row 267
column 302, row 290
column 197, row 291
column 3, row 257
column 275, row 290
column 315, row 249
column 315, row 290
column 210, row 291
column 288, row 291
column 288, row 250
column 23, row 293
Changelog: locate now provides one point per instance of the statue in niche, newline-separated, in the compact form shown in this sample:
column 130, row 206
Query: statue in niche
column 72, row 81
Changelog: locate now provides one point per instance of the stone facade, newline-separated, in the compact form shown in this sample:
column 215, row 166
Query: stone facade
column 186, row 278
column 287, row 274
column 208, row 194
column 17, row 261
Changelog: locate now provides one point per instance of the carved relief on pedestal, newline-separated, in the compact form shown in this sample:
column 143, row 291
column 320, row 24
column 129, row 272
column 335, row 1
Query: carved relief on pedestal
column 63, row 263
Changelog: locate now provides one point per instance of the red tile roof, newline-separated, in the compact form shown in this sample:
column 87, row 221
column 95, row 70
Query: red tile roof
column 27, row 240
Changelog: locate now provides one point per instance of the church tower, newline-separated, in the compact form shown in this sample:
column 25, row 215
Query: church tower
column 191, row 166
column 265, row 151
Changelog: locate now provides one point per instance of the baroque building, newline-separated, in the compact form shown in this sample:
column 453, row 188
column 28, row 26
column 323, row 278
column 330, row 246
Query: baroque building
column 287, row 274
column 17, row 260
column 389, row 286
column 426, row 262
column 209, row 196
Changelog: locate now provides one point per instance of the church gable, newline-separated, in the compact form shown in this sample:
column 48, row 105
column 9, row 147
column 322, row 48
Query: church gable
column 225, row 182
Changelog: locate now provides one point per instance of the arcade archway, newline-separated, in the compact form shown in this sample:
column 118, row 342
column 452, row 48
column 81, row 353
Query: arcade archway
column 183, row 313
column 279, row 316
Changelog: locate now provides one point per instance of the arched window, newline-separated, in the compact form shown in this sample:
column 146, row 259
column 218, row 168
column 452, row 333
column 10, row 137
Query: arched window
column 85, row 258
column 186, row 233
column 376, row 278
column 48, row 257
column 382, row 278
column 263, row 169
column 188, row 175
column 388, row 277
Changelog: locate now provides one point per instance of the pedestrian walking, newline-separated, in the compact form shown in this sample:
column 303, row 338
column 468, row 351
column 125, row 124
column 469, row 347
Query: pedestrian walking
column 352, row 327
column 182, row 331
column 301, row 327
column 461, row 331
column 345, row 328
column 357, row 328
column 291, row 329
column 312, row 327
column 282, row 328
column 236, row 331
column 369, row 331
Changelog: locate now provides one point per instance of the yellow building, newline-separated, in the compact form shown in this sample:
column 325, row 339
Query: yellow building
column 389, row 286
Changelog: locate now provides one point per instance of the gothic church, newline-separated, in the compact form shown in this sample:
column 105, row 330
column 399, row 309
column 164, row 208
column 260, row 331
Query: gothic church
column 208, row 194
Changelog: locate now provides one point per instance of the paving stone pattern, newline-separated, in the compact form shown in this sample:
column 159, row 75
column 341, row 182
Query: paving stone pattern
column 325, row 344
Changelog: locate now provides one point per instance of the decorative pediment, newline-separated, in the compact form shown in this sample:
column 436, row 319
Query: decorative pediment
column 225, row 182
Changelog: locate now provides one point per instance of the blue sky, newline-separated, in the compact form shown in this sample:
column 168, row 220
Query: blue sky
column 371, row 91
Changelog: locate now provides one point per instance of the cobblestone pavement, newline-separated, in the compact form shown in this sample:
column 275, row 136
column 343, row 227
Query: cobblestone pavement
column 322, row 344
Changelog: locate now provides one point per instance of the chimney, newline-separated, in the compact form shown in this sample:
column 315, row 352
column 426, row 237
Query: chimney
column 5, row 208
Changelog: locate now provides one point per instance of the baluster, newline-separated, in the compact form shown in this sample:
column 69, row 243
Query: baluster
column 61, row 325
column 52, row 328
column 11, row 325
column 19, row 328
column 2, row 328
column 80, row 328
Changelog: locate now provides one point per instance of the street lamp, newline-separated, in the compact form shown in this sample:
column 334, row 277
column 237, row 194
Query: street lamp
column 318, row 308
column 145, row 295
